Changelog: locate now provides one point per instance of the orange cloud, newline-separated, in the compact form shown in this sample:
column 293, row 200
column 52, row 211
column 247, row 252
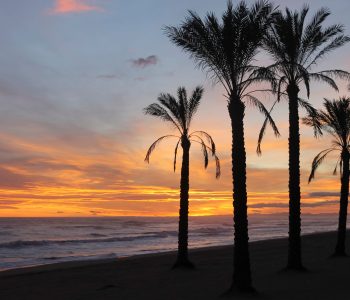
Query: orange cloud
column 72, row 6
column 84, row 173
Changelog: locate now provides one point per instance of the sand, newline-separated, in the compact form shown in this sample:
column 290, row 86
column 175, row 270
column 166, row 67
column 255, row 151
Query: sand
column 151, row 277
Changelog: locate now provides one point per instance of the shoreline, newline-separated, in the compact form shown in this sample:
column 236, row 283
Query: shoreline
column 149, row 276
column 96, row 261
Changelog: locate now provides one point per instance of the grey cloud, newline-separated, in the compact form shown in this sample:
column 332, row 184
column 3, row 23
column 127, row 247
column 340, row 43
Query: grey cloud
column 285, row 205
column 320, row 203
column 273, row 204
column 324, row 194
column 145, row 62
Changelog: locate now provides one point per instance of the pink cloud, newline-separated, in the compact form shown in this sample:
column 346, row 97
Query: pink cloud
column 72, row 6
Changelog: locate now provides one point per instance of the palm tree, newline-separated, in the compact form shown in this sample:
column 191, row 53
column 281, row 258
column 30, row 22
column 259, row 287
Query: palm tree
column 296, row 47
column 179, row 113
column 226, row 51
column 335, row 120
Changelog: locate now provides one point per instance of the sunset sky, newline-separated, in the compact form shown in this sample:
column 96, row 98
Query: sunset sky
column 74, row 78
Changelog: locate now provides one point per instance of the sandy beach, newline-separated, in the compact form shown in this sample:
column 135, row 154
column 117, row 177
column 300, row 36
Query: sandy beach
column 151, row 277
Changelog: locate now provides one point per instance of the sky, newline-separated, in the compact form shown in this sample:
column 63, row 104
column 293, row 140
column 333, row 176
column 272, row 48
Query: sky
column 74, row 78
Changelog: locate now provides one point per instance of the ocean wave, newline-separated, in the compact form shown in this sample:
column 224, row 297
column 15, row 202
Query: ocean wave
column 208, row 231
column 203, row 231
column 81, row 257
column 96, row 227
column 41, row 243
column 164, row 233
column 97, row 235
column 133, row 223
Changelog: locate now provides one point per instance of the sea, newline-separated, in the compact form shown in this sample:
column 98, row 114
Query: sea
column 28, row 242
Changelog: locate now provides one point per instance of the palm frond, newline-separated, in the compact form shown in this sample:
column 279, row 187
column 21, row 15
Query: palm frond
column 335, row 119
column 205, row 149
column 156, row 110
column 324, row 78
column 336, row 166
column 194, row 102
column 256, row 103
column 263, row 129
column 336, row 73
column 259, row 75
column 207, row 137
column 307, row 106
column 311, row 36
column 336, row 43
column 303, row 75
column 170, row 103
column 319, row 158
column 205, row 154
column 182, row 105
column 313, row 121
column 154, row 145
column 281, row 81
column 313, row 118
column 175, row 154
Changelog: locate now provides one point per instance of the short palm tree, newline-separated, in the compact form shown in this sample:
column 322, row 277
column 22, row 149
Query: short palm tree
column 226, row 50
column 179, row 113
column 335, row 120
column 296, row 48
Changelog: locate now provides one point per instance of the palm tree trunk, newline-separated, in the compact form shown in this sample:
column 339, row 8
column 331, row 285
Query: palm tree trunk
column 241, row 262
column 294, row 247
column 182, row 254
column 344, row 193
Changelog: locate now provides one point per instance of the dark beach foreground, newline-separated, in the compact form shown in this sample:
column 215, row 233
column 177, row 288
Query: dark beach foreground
column 151, row 277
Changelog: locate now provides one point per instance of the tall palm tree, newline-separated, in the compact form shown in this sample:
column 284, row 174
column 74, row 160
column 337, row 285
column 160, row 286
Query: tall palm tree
column 226, row 50
column 335, row 120
column 179, row 113
column 296, row 48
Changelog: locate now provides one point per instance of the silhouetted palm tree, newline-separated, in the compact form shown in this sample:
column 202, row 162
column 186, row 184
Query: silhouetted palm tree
column 180, row 113
column 226, row 50
column 296, row 47
column 335, row 120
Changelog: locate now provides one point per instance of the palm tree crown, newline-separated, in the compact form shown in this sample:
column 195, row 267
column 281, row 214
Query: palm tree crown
column 226, row 49
column 296, row 47
column 335, row 120
column 179, row 113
